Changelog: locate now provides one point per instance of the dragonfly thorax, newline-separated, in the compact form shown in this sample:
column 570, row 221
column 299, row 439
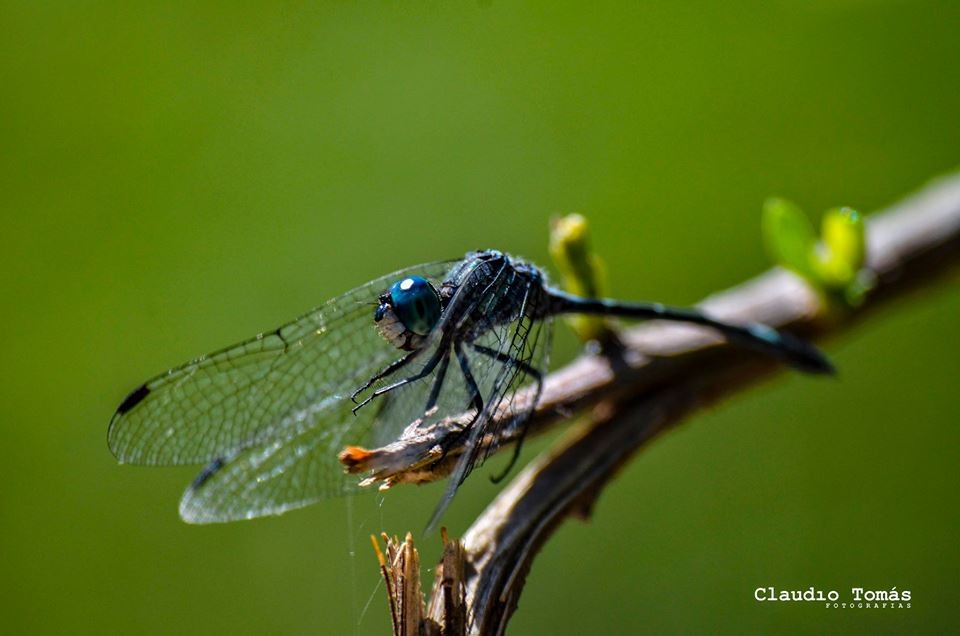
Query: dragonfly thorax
column 408, row 312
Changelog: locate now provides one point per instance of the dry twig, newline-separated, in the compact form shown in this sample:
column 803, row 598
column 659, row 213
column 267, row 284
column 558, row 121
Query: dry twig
column 663, row 373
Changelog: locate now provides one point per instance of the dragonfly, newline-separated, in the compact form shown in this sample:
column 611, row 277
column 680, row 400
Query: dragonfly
column 268, row 416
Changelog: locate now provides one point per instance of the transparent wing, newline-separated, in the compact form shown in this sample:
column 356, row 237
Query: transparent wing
column 238, row 397
column 292, row 468
column 297, row 464
column 295, row 467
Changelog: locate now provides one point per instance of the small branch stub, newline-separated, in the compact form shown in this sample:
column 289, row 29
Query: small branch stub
column 400, row 568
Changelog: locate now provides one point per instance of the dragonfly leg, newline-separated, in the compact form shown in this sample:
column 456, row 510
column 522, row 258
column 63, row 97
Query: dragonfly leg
column 537, row 378
column 387, row 370
column 427, row 369
column 476, row 399
column 437, row 384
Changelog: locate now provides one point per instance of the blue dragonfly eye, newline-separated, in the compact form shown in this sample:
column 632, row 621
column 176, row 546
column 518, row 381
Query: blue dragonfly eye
column 416, row 304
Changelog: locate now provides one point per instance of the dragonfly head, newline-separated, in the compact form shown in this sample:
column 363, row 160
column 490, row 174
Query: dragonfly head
column 408, row 312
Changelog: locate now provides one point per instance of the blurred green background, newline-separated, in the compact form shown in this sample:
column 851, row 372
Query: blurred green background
column 174, row 179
